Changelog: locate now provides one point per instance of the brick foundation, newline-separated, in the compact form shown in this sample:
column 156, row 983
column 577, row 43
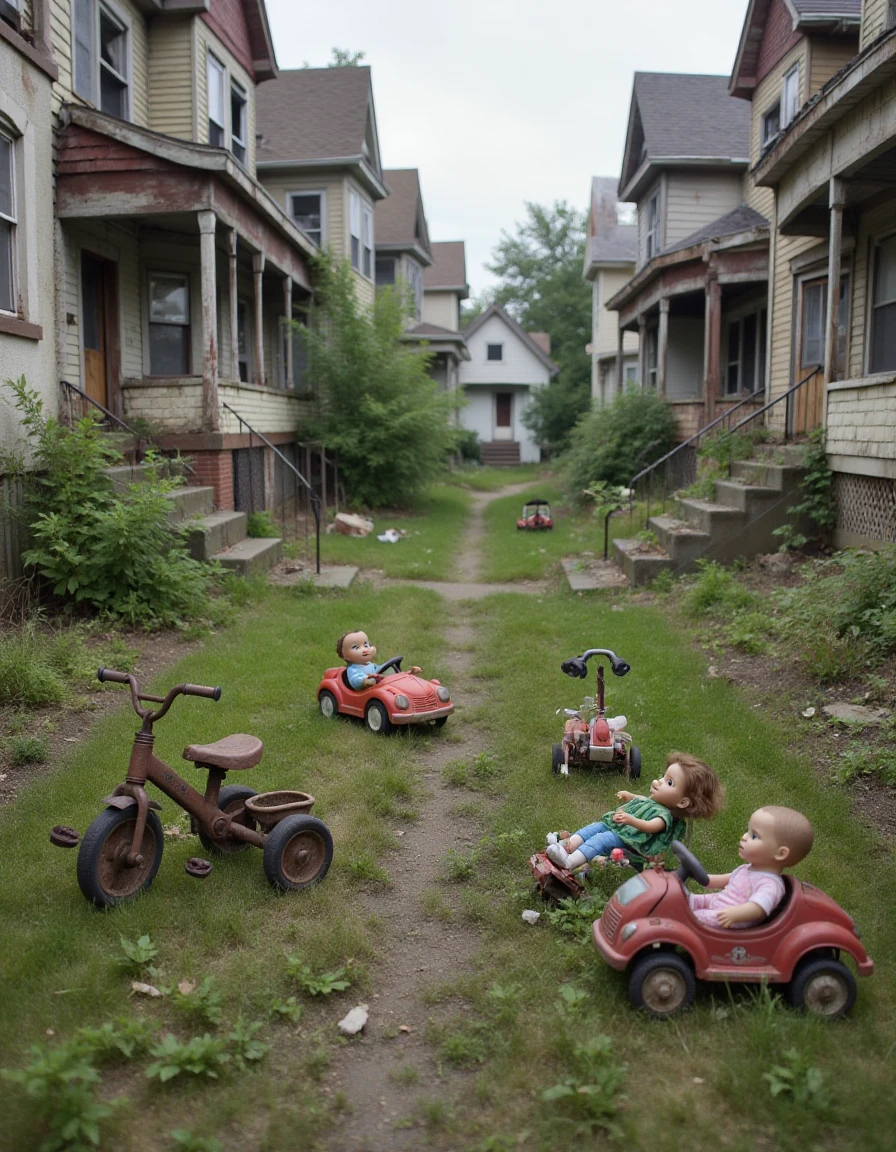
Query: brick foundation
column 216, row 470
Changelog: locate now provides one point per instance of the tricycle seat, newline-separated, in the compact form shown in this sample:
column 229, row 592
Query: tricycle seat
column 231, row 754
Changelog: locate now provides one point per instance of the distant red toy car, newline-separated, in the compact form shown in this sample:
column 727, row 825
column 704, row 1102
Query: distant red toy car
column 398, row 699
column 536, row 515
column 648, row 928
column 588, row 743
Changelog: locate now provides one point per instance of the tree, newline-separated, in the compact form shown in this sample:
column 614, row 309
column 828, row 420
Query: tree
column 376, row 408
column 540, row 269
column 345, row 59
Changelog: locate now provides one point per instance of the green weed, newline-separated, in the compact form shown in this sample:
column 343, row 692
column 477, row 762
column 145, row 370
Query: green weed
column 187, row 1141
column 715, row 591
column 591, row 1095
column 199, row 1056
column 28, row 750
column 317, row 984
column 201, row 1000
column 244, row 1047
column 797, row 1078
column 136, row 954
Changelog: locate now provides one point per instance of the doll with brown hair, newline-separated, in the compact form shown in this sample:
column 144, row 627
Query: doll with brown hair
column 358, row 653
column 647, row 825
column 776, row 838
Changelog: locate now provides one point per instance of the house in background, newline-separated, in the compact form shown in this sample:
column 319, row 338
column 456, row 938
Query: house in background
column 506, row 366
column 318, row 156
column 610, row 252
column 699, row 294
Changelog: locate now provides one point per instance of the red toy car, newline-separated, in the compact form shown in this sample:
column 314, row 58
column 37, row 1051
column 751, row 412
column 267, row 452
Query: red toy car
column 536, row 515
column 395, row 700
column 648, row 928
column 588, row 743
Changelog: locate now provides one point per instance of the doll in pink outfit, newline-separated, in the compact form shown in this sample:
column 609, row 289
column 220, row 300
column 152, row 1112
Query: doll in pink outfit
column 776, row 838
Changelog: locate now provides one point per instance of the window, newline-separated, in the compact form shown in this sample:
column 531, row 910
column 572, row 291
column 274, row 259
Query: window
column 101, row 52
column 891, row 14
column 7, row 226
column 745, row 371
column 790, row 96
column 242, row 339
column 771, row 124
column 631, row 373
column 415, row 284
column 169, row 324
column 238, row 123
column 307, row 210
column 385, row 273
column 494, row 352
column 812, row 323
column 360, row 216
column 10, row 11
column 651, row 356
column 883, row 308
column 354, row 227
column 215, row 75
column 367, row 241
column 653, row 225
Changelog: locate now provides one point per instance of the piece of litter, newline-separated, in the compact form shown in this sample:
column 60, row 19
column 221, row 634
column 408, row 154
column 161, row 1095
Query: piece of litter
column 531, row 916
column 50, row 1032
column 186, row 987
column 390, row 536
column 697, row 1080
column 712, row 672
column 144, row 989
column 71, row 739
column 399, row 831
column 808, row 713
column 405, row 1028
column 353, row 1022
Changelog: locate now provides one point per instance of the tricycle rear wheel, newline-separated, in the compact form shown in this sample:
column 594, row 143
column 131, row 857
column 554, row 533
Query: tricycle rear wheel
column 662, row 983
column 230, row 799
column 557, row 759
column 103, row 876
column 297, row 852
column 634, row 762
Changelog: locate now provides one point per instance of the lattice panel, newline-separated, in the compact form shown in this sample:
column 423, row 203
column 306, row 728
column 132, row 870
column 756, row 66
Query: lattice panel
column 866, row 505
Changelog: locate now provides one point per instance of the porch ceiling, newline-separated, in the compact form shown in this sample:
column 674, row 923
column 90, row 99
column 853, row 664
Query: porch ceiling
column 870, row 185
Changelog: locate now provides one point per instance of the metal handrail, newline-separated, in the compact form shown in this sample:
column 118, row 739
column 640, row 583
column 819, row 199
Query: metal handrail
column 788, row 396
column 315, row 499
column 115, row 419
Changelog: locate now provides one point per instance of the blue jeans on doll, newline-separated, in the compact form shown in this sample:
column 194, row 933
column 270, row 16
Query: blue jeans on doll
column 598, row 840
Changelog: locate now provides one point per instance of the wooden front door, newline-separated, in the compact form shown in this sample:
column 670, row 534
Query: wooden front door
column 503, row 415
column 99, row 333
column 808, row 410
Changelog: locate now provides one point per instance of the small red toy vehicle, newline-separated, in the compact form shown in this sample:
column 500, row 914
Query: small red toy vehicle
column 395, row 700
column 587, row 742
column 536, row 515
column 648, row 928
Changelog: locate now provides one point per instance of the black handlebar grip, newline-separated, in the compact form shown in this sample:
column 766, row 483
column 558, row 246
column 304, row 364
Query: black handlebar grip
column 199, row 690
column 105, row 674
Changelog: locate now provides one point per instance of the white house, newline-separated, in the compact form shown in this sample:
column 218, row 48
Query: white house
column 506, row 366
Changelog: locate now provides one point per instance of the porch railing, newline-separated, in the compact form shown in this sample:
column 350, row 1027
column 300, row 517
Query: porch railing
column 139, row 450
column 288, row 464
column 790, row 398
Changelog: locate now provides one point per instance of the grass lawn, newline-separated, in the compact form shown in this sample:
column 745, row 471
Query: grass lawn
column 486, row 479
column 426, row 553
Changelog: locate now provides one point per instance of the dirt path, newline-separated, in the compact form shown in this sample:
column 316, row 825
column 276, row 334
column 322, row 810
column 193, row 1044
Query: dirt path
column 389, row 1075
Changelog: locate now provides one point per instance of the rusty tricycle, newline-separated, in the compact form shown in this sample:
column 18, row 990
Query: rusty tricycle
column 121, row 851
column 589, row 739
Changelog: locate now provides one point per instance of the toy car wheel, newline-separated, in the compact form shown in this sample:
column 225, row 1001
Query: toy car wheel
column 557, row 759
column 328, row 706
column 823, row 987
column 297, row 852
column 377, row 718
column 103, row 874
column 634, row 762
column 440, row 721
column 662, row 983
column 231, row 798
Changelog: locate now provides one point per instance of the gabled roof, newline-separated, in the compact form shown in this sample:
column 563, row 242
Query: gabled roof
column 742, row 219
column 517, row 329
column 400, row 222
column 609, row 242
column 804, row 14
column 320, row 118
column 681, row 120
column 448, row 271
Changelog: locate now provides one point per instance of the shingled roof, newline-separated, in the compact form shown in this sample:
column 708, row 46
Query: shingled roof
column 525, row 337
column 826, row 9
column 609, row 242
column 400, row 222
column 681, row 119
column 742, row 219
column 448, row 270
column 319, row 117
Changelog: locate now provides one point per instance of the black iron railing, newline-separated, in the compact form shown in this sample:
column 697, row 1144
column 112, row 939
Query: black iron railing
column 790, row 399
column 288, row 464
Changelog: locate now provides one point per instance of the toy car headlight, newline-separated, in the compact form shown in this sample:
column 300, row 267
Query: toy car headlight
column 443, row 694
column 402, row 702
column 628, row 931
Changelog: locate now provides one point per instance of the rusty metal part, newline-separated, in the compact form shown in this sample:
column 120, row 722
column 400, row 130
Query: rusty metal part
column 64, row 837
column 268, row 808
column 197, row 867
column 116, row 801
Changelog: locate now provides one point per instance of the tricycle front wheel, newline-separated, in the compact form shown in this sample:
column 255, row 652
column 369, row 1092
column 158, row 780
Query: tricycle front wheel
column 103, row 873
column 634, row 762
column 297, row 852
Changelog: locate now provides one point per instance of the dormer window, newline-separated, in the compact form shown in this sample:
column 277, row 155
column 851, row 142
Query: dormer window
column 494, row 352
column 652, row 239
column 101, row 57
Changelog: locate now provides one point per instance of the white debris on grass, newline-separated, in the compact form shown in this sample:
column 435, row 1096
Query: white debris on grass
column 531, row 916
column 353, row 1022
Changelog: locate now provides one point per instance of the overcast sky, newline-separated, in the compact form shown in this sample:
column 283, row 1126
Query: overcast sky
column 497, row 102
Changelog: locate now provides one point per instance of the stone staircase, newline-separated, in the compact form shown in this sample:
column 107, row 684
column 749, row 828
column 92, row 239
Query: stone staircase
column 501, row 453
column 740, row 521
column 211, row 535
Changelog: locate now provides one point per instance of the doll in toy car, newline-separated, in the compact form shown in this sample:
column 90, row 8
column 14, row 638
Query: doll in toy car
column 358, row 653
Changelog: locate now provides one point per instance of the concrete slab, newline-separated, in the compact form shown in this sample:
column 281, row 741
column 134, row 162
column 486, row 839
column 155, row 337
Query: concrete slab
column 594, row 574
column 335, row 576
column 855, row 713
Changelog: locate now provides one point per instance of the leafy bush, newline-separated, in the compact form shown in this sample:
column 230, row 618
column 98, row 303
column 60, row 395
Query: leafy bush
column 716, row 591
column 613, row 443
column 28, row 750
column 817, row 505
column 261, row 525
column 467, row 446
column 375, row 406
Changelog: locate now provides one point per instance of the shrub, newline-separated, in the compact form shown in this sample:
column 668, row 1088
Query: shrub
column 467, row 446
column 28, row 750
column 261, row 525
column 613, row 443
column 715, row 591
column 817, row 505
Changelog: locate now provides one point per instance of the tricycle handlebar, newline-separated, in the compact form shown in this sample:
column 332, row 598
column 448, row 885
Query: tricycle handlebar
column 198, row 690
column 576, row 666
column 166, row 701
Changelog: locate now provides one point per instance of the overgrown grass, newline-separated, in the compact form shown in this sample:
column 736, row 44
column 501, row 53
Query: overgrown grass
column 427, row 550
column 486, row 479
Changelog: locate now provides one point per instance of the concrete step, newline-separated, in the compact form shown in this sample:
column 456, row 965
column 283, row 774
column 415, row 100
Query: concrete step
column 792, row 455
column 640, row 566
column 719, row 520
column 215, row 533
column 501, row 453
column 683, row 542
column 252, row 556
column 748, row 498
column 186, row 503
column 123, row 476
column 784, row 477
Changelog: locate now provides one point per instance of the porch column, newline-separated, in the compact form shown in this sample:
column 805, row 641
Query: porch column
column 712, row 345
column 287, row 328
column 662, row 346
column 835, row 245
column 209, row 321
column 257, row 273
column 642, row 349
column 620, row 359
column 234, row 309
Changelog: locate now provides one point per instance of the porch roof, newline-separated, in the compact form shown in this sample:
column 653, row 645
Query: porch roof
column 108, row 167
column 439, row 339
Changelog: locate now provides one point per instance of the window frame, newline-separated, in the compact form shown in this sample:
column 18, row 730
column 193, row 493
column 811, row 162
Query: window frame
column 11, row 12
column 652, row 229
column 767, row 135
column 213, row 63
column 13, row 222
column 819, row 279
column 786, row 113
column 93, row 91
column 354, row 219
column 878, row 243
column 169, row 273
column 367, row 261
column 361, row 242
column 321, row 194
column 239, row 142
column 384, row 260
column 499, row 359
column 735, row 357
